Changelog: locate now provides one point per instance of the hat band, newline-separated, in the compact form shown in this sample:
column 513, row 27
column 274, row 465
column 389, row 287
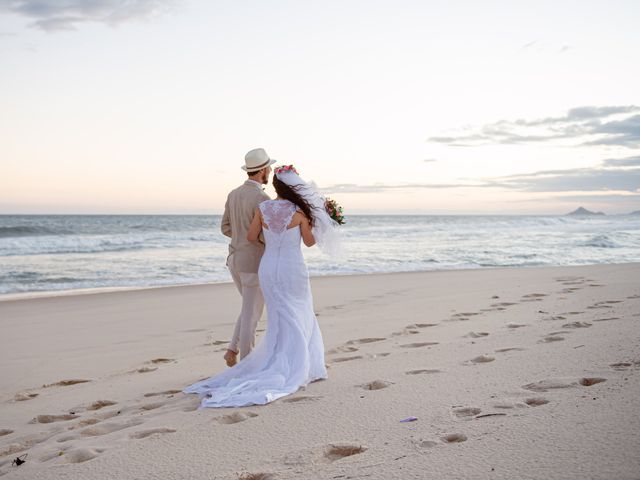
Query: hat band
column 259, row 167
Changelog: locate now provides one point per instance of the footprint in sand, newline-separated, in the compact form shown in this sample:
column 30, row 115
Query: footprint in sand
column 421, row 371
column 483, row 359
column 162, row 360
column 365, row 340
column 52, row 418
column 106, row 428
column 65, row 383
column 79, row 455
column 535, row 295
column 342, row 349
column 301, row 399
column 425, row 443
column 236, row 417
column 106, row 415
column 509, row 349
column 28, row 441
column 577, row 325
column 589, row 381
column 485, row 415
column 375, row 385
column 620, row 365
column 551, row 338
column 454, row 438
column 152, row 431
column 556, row 384
column 5, row 431
column 192, row 405
column 536, row 402
column 12, row 449
column 346, row 359
column 476, row 334
column 570, row 290
column 146, row 369
column 86, row 422
column 405, row 331
column 516, row 325
column 378, row 355
column 152, row 406
column 166, row 392
column 418, row 344
column 22, row 396
column 51, row 454
column 606, row 319
column 508, row 405
column 256, row 476
column 98, row 404
column 422, row 325
column 466, row 412
column 336, row 452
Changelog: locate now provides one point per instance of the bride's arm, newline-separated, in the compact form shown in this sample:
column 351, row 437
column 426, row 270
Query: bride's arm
column 305, row 230
column 256, row 227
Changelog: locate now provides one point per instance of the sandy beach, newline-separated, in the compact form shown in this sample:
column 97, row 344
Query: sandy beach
column 529, row 373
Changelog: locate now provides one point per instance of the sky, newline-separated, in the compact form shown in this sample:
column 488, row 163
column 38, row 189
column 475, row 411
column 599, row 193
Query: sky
column 407, row 107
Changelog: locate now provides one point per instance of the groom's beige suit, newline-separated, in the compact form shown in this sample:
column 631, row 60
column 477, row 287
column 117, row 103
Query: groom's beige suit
column 243, row 261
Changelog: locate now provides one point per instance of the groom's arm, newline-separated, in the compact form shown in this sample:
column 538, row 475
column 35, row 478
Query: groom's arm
column 225, row 226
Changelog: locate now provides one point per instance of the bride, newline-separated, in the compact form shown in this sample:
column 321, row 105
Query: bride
column 291, row 353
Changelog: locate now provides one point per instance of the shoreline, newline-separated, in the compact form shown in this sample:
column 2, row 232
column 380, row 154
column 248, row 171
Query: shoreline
column 21, row 296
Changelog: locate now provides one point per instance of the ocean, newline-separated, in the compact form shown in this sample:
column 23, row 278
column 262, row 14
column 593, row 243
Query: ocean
column 53, row 253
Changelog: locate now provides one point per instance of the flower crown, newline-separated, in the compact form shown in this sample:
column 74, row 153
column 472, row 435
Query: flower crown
column 285, row 168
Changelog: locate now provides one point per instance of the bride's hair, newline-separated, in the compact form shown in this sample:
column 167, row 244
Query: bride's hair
column 290, row 193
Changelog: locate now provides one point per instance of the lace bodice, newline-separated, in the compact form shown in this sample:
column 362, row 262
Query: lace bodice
column 277, row 214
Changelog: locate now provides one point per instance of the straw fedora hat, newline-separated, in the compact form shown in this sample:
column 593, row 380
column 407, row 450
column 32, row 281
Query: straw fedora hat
column 256, row 160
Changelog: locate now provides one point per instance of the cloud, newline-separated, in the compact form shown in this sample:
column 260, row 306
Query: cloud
column 609, row 198
column 60, row 15
column 623, row 162
column 588, row 125
column 577, row 179
column 615, row 174
column 380, row 187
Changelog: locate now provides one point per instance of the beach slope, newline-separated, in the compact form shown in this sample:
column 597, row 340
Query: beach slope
column 529, row 373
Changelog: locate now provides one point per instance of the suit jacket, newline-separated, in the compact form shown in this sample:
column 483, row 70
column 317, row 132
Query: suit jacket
column 244, row 256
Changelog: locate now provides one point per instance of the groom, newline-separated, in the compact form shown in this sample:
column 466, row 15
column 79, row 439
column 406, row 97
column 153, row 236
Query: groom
column 244, row 256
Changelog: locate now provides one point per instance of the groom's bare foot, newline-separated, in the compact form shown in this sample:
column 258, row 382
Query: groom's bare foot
column 231, row 358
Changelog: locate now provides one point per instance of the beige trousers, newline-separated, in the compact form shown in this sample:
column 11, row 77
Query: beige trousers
column 244, row 334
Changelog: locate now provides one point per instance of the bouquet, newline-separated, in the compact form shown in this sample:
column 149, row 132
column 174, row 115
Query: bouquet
column 334, row 210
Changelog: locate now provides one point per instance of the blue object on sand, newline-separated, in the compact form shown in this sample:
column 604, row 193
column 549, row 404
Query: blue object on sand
column 409, row 419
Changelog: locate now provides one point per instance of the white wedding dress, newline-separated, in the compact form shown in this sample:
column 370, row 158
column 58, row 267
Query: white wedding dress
column 291, row 353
